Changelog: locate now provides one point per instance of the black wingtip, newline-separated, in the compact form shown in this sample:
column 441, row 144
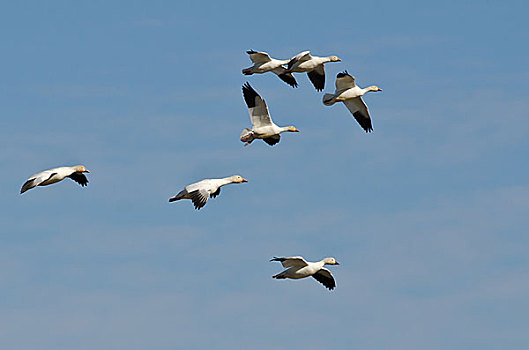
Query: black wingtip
column 364, row 122
column 289, row 79
column 247, row 86
column 328, row 283
column 249, row 95
column 342, row 74
column 27, row 186
column 272, row 140
column 318, row 80
column 249, row 52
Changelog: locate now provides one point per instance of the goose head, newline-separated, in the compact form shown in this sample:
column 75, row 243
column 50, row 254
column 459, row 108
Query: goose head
column 292, row 128
column 81, row 169
column 330, row 261
column 237, row 179
column 374, row 88
column 334, row 59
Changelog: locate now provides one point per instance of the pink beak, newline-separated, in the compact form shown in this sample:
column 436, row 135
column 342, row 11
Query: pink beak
column 244, row 180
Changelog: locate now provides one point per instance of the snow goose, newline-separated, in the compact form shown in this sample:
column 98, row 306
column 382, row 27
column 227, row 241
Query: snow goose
column 51, row 176
column 351, row 95
column 262, row 125
column 262, row 63
column 199, row 192
column 297, row 267
column 312, row 65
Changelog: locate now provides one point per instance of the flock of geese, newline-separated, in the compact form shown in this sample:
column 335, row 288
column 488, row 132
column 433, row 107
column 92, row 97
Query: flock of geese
column 262, row 128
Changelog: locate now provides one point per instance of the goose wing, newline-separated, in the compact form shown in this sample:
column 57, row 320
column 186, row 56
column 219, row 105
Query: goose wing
column 29, row 184
column 80, row 178
column 299, row 58
column 256, row 107
column 292, row 261
column 325, row 277
column 272, row 140
column 259, row 56
column 199, row 198
column 37, row 179
column 216, row 193
column 317, row 77
column 344, row 81
column 360, row 111
column 287, row 77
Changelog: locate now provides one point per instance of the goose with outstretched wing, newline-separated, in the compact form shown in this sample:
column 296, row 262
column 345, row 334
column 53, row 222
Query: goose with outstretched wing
column 297, row 267
column 351, row 95
column 51, row 176
column 262, row 63
column 262, row 125
column 304, row 62
column 199, row 192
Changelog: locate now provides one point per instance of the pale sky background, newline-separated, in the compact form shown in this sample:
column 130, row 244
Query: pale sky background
column 428, row 214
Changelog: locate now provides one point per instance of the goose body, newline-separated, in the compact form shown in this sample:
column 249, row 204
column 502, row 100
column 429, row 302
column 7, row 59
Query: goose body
column 262, row 125
column 297, row 267
column 304, row 62
column 263, row 63
column 51, row 176
column 351, row 95
column 199, row 192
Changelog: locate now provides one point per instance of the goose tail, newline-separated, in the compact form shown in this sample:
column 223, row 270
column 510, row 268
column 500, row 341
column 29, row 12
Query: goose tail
column 329, row 99
column 279, row 276
column 180, row 195
column 247, row 71
column 247, row 135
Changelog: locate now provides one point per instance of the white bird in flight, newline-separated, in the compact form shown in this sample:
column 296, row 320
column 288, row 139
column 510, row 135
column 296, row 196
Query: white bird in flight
column 262, row 63
column 262, row 125
column 51, row 176
column 199, row 192
column 351, row 95
column 297, row 267
column 303, row 62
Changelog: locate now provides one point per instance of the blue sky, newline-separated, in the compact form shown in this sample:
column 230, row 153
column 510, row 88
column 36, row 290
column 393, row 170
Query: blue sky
column 428, row 215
